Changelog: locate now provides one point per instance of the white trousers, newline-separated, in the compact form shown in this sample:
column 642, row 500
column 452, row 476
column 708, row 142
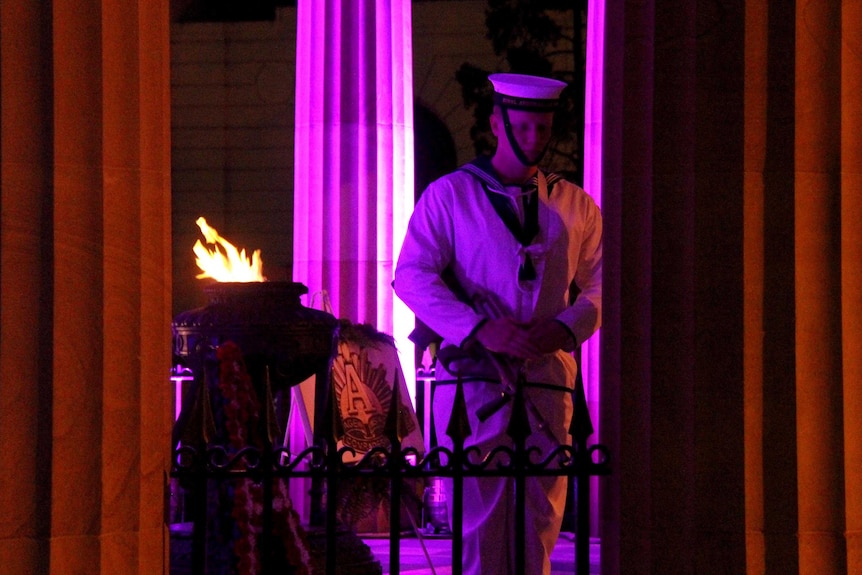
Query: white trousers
column 489, row 502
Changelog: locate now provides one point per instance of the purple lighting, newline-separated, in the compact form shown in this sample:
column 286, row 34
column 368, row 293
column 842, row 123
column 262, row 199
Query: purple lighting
column 590, row 355
column 354, row 157
column 593, row 171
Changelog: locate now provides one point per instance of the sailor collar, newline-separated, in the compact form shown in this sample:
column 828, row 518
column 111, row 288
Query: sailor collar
column 482, row 169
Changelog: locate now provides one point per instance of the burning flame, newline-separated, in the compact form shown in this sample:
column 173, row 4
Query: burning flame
column 224, row 262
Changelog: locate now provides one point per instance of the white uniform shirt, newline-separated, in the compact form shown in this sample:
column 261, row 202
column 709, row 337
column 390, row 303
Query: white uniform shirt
column 454, row 225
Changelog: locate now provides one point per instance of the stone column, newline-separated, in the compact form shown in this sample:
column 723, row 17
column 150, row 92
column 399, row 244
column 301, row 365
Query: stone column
column 851, row 273
column 775, row 264
column 85, row 287
column 611, row 407
column 627, row 192
column 26, row 314
column 353, row 184
column 756, row 45
column 673, row 337
column 769, row 333
column 818, row 289
column 672, row 322
column 354, row 152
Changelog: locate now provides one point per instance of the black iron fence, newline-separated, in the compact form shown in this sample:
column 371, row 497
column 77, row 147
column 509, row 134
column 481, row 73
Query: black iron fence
column 200, row 465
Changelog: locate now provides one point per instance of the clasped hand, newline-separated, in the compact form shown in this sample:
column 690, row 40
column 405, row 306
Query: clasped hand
column 524, row 341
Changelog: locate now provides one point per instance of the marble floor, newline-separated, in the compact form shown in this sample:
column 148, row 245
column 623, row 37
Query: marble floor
column 436, row 557
column 430, row 555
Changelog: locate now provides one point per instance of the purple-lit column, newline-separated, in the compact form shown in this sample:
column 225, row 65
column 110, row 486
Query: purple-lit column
column 354, row 156
column 590, row 355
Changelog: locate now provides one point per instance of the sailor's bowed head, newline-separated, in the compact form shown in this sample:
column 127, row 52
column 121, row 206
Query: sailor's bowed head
column 522, row 92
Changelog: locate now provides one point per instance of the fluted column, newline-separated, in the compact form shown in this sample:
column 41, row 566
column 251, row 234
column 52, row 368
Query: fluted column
column 673, row 342
column 354, row 152
column 775, row 265
column 79, row 344
column 769, row 332
column 627, row 197
column 85, row 287
column 26, row 316
column 613, row 400
column 818, row 289
column 672, row 262
column 756, row 46
column 851, row 273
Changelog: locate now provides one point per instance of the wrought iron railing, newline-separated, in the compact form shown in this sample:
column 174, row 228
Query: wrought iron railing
column 197, row 462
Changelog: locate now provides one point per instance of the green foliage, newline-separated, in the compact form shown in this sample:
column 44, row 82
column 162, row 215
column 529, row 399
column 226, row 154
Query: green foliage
column 534, row 37
column 522, row 31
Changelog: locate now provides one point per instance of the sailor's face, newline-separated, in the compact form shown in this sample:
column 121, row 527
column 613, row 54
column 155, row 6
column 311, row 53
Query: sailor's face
column 531, row 130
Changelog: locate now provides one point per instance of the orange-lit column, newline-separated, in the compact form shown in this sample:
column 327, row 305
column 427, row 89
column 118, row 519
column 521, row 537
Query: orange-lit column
column 769, row 327
column 84, row 244
column 156, row 409
column 818, row 289
column 756, row 46
column 78, row 341
column 851, row 272
column 25, row 287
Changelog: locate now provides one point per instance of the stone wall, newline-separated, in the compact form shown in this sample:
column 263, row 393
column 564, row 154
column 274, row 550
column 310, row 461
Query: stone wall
column 232, row 126
column 233, row 121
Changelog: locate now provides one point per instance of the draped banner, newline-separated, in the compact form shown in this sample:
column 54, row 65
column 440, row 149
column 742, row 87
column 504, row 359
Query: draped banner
column 365, row 371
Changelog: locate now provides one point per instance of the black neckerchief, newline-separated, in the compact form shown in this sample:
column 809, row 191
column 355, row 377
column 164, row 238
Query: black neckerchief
column 526, row 233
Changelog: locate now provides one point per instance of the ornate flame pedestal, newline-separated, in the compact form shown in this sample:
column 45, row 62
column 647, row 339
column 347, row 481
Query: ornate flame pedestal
column 282, row 343
column 267, row 321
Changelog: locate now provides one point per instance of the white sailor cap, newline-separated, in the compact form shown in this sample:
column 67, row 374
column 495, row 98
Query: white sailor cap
column 523, row 92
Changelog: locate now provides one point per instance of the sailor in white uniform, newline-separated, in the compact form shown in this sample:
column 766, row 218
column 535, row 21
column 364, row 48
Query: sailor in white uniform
column 506, row 258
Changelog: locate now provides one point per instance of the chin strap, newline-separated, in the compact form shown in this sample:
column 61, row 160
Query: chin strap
column 519, row 153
